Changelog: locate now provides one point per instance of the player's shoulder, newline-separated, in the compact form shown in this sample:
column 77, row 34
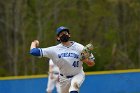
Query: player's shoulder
column 77, row 44
column 58, row 45
column 51, row 47
column 55, row 46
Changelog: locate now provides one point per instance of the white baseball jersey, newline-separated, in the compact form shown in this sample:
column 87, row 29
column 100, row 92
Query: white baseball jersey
column 66, row 58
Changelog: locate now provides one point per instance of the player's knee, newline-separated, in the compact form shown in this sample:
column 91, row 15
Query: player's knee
column 73, row 91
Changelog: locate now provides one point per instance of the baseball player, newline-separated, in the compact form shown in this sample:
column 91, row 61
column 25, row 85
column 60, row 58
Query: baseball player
column 53, row 79
column 69, row 57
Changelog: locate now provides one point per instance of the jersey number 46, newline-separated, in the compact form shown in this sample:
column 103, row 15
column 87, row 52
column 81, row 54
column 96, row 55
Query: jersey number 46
column 75, row 63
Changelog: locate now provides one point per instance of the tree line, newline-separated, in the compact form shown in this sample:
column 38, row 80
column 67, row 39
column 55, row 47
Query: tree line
column 112, row 26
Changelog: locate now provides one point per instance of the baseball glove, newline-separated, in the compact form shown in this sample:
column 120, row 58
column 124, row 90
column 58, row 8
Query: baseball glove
column 86, row 52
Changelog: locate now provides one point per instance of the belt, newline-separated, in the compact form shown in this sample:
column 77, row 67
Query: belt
column 67, row 76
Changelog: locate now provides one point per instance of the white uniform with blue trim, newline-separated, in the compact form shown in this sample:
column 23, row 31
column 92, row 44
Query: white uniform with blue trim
column 68, row 61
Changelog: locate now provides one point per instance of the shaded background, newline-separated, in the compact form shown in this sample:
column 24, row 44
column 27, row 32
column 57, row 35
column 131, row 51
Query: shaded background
column 112, row 25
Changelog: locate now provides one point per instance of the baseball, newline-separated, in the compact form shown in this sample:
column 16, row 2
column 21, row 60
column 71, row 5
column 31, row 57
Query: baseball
column 37, row 42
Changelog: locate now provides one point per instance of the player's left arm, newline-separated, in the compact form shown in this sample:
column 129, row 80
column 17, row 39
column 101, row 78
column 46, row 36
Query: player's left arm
column 90, row 61
column 86, row 55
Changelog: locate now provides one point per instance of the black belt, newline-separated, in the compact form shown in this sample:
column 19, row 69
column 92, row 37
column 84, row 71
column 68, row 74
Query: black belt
column 67, row 76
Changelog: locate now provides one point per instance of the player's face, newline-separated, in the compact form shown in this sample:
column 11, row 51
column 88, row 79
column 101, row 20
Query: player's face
column 63, row 36
column 63, row 32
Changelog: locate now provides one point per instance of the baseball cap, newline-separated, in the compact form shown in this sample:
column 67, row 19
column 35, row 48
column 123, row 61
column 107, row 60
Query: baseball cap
column 60, row 29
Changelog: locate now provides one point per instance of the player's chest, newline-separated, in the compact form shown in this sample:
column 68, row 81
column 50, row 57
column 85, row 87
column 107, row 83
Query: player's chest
column 67, row 53
column 68, row 57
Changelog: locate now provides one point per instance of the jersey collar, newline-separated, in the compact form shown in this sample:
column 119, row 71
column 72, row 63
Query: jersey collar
column 72, row 42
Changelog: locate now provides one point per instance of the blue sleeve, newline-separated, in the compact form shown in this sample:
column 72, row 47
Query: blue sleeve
column 35, row 52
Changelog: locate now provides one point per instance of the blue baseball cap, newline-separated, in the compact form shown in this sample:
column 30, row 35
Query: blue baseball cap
column 60, row 29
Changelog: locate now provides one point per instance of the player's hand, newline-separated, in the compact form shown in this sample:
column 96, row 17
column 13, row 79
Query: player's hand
column 36, row 42
column 86, row 52
column 89, row 62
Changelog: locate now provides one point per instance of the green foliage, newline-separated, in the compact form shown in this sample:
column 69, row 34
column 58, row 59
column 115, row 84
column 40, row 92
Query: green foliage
column 112, row 25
